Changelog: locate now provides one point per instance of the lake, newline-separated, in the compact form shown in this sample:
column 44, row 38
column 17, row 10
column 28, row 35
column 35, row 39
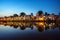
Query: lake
column 30, row 30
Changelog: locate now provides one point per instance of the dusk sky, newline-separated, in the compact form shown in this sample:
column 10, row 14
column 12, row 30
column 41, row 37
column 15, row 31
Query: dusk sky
column 10, row 7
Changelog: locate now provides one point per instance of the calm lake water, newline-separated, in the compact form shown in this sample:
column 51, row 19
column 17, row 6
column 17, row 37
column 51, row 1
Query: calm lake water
column 29, row 30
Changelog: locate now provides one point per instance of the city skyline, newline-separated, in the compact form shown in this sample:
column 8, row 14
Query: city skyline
column 10, row 7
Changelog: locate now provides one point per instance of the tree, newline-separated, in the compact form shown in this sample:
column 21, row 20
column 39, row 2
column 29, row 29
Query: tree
column 46, row 13
column 53, row 14
column 59, row 14
column 15, row 15
column 40, row 13
column 22, row 27
column 22, row 14
column 32, row 14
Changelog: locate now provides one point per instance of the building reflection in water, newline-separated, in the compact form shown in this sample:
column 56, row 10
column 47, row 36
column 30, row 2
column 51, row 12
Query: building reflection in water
column 41, row 26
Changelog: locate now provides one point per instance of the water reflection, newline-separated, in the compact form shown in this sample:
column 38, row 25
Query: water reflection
column 41, row 26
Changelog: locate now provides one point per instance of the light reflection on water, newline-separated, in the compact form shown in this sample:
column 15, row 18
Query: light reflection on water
column 31, row 30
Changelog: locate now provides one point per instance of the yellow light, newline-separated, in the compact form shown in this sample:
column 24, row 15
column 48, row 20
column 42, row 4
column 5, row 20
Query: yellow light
column 41, row 23
column 41, row 19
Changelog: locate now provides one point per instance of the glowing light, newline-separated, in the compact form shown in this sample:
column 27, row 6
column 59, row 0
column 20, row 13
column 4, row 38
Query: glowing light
column 41, row 19
column 40, row 23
